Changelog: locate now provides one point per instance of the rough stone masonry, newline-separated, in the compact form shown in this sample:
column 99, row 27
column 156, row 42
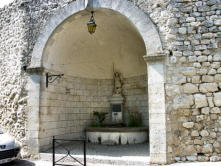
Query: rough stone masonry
column 190, row 31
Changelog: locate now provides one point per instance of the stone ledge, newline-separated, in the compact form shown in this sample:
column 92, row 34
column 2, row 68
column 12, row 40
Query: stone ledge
column 36, row 70
column 116, row 129
column 154, row 57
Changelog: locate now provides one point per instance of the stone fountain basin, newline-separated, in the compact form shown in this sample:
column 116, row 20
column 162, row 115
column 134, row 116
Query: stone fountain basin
column 117, row 135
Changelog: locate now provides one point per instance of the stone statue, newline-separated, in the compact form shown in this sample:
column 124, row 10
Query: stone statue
column 118, row 82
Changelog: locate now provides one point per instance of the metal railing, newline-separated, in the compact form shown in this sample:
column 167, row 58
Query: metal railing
column 68, row 154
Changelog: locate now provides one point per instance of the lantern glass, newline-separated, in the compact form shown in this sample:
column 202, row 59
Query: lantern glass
column 91, row 24
column 91, row 27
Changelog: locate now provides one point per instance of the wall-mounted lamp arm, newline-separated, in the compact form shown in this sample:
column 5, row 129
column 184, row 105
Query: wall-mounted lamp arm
column 52, row 78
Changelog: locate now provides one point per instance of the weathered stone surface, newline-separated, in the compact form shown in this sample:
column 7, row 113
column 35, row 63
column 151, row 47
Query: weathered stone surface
column 210, row 101
column 215, row 158
column 200, row 100
column 218, row 77
column 203, row 158
column 204, row 133
column 212, row 72
column 200, row 118
column 189, row 71
column 202, row 58
column 190, row 88
column 213, row 116
column 183, row 101
column 198, row 142
column 195, row 133
column 217, row 22
column 208, row 87
column 207, row 78
column 188, row 125
column 179, row 79
column 208, row 148
column 191, row 158
column 217, row 99
column 215, row 110
column 182, row 30
column 205, row 110
column 172, row 90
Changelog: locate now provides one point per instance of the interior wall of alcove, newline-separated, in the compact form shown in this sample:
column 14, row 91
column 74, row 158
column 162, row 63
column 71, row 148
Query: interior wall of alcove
column 87, row 61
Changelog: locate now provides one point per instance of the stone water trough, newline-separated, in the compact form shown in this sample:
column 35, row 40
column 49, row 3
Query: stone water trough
column 117, row 135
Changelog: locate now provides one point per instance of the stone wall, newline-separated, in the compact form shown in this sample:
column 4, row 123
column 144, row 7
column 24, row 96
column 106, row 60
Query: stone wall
column 67, row 105
column 191, row 33
column 193, row 80
column 13, row 95
column 135, row 92
column 20, row 24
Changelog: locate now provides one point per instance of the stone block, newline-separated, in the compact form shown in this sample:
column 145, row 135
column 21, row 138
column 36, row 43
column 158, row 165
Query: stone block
column 195, row 133
column 203, row 158
column 204, row 133
column 213, row 134
column 207, row 78
column 210, row 101
column 212, row 72
column 190, row 88
column 191, row 158
column 213, row 116
column 208, row 148
column 198, row 142
column 200, row 100
column 215, row 110
column 215, row 65
column 183, row 101
column 200, row 118
column 201, row 71
column 180, row 79
column 172, row 90
column 218, row 77
column 217, row 22
column 196, row 79
column 202, row 58
column 208, row 87
column 189, row 71
column 182, row 30
column 205, row 110
column 217, row 99
column 215, row 158
column 188, row 125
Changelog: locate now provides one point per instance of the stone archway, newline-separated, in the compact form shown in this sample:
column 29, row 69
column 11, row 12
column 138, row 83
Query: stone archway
column 155, row 70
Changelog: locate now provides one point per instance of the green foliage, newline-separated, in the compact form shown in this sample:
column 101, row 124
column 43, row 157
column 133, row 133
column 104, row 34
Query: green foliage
column 135, row 120
column 99, row 118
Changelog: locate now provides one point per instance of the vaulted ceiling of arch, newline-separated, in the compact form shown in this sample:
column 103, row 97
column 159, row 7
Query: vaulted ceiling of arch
column 73, row 51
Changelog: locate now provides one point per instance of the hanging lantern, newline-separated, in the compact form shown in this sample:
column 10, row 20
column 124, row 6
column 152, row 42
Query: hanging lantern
column 91, row 24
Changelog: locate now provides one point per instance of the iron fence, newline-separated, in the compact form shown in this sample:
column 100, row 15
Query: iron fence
column 57, row 142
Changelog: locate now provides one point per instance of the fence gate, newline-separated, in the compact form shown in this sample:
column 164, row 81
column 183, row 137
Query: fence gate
column 60, row 143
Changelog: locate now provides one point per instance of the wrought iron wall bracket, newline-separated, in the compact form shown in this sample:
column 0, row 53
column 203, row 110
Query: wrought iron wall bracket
column 52, row 78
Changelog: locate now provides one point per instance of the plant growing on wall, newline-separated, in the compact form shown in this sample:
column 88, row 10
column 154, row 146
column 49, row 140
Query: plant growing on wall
column 135, row 120
column 99, row 118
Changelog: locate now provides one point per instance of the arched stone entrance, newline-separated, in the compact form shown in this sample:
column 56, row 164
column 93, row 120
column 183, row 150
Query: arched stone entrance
column 155, row 71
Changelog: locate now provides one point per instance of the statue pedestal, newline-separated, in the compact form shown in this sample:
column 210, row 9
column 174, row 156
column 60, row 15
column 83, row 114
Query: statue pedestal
column 116, row 102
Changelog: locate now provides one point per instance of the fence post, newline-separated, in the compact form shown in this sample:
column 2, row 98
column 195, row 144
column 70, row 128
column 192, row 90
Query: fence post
column 53, row 151
column 85, row 162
